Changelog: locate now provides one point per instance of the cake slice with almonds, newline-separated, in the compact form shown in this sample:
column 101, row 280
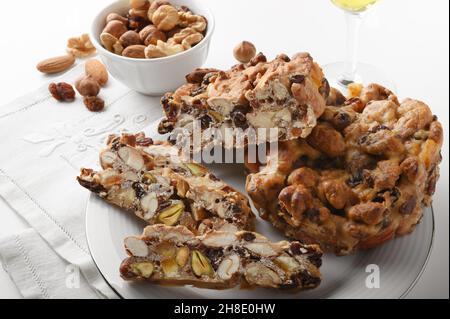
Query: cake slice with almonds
column 152, row 180
column 286, row 94
column 219, row 260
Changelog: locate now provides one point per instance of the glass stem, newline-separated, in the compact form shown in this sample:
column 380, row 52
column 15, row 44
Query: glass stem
column 354, row 21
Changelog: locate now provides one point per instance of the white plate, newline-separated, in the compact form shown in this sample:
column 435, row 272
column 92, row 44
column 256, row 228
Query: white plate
column 400, row 262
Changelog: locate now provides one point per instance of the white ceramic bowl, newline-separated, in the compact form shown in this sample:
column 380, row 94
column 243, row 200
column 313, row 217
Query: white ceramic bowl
column 153, row 76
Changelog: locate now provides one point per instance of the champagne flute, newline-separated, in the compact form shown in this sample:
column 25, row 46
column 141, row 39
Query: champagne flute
column 350, row 71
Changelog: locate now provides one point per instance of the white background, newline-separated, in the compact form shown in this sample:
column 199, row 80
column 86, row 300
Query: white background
column 407, row 38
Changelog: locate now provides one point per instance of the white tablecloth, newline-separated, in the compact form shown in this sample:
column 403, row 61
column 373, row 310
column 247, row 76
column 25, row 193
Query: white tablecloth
column 45, row 143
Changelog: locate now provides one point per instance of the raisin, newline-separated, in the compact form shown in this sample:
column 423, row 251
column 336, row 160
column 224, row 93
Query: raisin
column 139, row 189
column 312, row 214
column 306, row 280
column 94, row 103
column 62, row 91
column 240, row 120
column 205, row 121
column 298, row 79
column 259, row 58
column 408, row 206
column 249, row 237
column 355, row 180
column 341, row 121
column 325, row 89
column 316, row 259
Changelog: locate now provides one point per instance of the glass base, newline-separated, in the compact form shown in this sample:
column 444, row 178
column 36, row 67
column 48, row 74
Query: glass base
column 365, row 74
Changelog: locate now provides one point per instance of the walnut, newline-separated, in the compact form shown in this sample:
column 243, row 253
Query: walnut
column 162, row 49
column 165, row 18
column 187, row 19
column 62, row 91
column 81, row 46
column 155, row 6
column 244, row 52
column 191, row 40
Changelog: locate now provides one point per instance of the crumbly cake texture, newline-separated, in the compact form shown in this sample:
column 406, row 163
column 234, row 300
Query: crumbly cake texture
column 363, row 176
column 219, row 260
column 288, row 94
column 152, row 180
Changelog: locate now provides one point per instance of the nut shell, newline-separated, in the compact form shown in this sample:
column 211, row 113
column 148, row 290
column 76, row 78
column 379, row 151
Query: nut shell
column 244, row 52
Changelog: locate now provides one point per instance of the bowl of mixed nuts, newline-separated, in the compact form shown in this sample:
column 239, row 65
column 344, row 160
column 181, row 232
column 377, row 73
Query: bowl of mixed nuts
column 150, row 45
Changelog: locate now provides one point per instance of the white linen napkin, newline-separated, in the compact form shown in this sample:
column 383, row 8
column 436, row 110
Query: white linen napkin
column 44, row 145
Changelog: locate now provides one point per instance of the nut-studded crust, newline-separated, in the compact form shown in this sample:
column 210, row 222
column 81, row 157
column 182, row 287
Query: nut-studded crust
column 219, row 260
column 362, row 177
column 288, row 94
column 151, row 180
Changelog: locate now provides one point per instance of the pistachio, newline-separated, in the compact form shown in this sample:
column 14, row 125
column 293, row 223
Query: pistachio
column 171, row 215
column 143, row 269
column 196, row 169
column 148, row 178
column 201, row 265
column 182, row 256
column 169, row 267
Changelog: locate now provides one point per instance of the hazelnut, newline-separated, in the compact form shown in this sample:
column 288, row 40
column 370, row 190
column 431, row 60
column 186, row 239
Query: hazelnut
column 135, row 52
column 94, row 103
column 87, row 86
column 116, row 17
column 115, row 28
column 244, row 52
column 139, row 4
column 130, row 38
column 165, row 18
column 151, row 35
column 162, row 49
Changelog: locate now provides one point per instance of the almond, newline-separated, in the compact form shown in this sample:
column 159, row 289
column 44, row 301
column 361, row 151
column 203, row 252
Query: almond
column 97, row 70
column 56, row 64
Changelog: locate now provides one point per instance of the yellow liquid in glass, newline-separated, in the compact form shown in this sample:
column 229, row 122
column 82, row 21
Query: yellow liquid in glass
column 354, row 5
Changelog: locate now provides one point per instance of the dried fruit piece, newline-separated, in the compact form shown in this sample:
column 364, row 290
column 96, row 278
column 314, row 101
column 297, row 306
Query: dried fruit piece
column 94, row 103
column 171, row 215
column 56, row 65
column 200, row 264
column 62, row 91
